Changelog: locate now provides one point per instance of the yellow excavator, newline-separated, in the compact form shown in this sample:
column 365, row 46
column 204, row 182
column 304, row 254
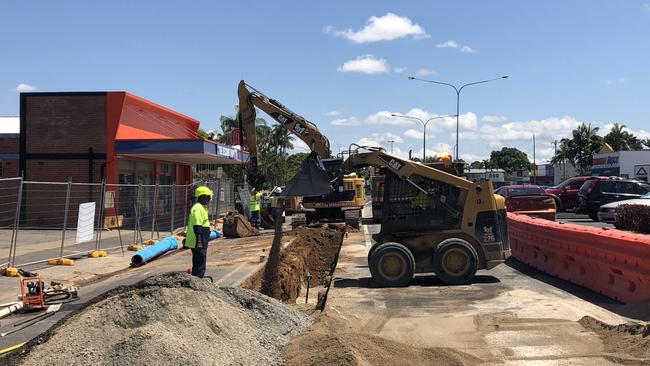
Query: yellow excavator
column 326, row 194
column 431, row 221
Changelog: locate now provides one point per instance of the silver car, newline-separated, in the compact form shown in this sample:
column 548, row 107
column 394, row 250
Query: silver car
column 607, row 213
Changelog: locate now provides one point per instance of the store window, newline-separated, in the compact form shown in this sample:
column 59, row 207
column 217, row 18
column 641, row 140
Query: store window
column 135, row 172
column 167, row 174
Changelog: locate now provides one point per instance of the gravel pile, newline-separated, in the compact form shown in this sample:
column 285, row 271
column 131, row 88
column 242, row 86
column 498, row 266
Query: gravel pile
column 171, row 319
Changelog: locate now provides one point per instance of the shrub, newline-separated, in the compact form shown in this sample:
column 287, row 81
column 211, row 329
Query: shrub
column 633, row 217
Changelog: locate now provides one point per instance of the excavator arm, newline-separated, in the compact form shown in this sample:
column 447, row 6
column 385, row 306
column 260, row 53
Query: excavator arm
column 312, row 178
column 249, row 98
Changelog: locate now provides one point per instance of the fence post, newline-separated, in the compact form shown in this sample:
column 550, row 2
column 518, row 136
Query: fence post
column 156, row 192
column 187, row 189
column 14, row 233
column 65, row 217
column 218, row 197
column 100, row 224
column 171, row 229
column 137, row 215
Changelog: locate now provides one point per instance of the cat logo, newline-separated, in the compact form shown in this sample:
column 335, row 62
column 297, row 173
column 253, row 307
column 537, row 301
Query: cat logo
column 282, row 119
column 395, row 164
column 299, row 129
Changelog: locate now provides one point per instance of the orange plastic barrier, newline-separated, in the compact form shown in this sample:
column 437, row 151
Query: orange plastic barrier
column 612, row 262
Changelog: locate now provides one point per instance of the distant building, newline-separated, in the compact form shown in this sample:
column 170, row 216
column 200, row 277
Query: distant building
column 544, row 175
column 626, row 164
column 9, row 147
column 495, row 175
column 563, row 171
column 520, row 176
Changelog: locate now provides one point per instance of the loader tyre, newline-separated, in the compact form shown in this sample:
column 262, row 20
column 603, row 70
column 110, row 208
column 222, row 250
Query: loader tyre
column 392, row 265
column 372, row 250
column 456, row 262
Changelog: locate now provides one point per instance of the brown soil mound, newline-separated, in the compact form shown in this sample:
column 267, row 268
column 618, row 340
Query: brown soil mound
column 627, row 343
column 333, row 342
column 313, row 250
column 171, row 319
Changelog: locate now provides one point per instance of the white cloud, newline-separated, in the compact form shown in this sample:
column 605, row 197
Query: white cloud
column 453, row 44
column 379, row 118
column 494, row 118
column 467, row 49
column 417, row 134
column 367, row 64
column 334, row 113
column 9, row 125
column 399, row 70
column 381, row 140
column 425, row 72
column 385, row 28
column 25, row 88
column 449, row 44
column 616, row 81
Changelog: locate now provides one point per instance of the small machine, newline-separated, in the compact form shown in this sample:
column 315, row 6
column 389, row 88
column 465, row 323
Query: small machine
column 32, row 292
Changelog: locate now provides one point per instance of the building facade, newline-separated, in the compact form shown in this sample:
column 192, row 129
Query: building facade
column 626, row 164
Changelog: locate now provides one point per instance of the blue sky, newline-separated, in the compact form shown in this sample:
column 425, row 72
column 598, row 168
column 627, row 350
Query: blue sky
column 344, row 64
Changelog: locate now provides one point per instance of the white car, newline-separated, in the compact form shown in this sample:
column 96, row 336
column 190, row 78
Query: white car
column 607, row 213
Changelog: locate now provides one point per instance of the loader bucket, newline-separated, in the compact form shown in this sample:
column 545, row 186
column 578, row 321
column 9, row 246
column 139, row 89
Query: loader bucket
column 311, row 179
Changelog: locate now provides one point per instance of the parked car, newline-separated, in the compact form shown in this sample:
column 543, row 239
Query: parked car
column 607, row 213
column 597, row 192
column 565, row 194
column 530, row 200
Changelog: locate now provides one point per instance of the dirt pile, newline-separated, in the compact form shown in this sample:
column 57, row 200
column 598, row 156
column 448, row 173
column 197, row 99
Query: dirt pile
column 313, row 250
column 332, row 341
column 626, row 343
column 171, row 319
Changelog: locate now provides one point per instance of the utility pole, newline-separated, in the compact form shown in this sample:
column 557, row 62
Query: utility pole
column 555, row 147
column 534, row 163
column 391, row 145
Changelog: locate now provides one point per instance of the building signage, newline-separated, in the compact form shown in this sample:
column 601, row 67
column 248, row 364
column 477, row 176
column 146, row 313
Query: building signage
column 610, row 160
column 641, row 172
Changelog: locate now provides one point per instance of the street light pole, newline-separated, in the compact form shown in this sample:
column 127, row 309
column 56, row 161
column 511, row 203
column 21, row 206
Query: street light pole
column 457, row 90
column 424, row 127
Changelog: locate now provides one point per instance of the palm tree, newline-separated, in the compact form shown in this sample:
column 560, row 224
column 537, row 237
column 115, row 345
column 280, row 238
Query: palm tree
column 583, row 144
column 621, row 139
column 228, row 123
column 562, row 156
column 281, row 139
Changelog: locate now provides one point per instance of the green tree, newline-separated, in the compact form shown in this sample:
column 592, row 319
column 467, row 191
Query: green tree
column 281, row 139
column 582, row 146
column 620, row 139
column 476, row 165
column 646, row 143
column 509, row 159
column 562, row 157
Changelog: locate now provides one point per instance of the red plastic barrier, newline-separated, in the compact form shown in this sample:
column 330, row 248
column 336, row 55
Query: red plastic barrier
column 612, row 262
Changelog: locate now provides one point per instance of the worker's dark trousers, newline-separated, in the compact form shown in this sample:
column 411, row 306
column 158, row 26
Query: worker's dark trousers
column 255, row 218
column 199, row 256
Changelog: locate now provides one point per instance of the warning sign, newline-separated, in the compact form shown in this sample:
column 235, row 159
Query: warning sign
column 641, row 172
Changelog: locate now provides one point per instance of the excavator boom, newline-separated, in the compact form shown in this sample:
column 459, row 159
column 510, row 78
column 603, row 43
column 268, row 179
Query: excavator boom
column 312, row 178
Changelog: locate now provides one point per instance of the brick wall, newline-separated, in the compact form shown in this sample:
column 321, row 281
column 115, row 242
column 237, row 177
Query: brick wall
column 65, row 123
column 9, row 145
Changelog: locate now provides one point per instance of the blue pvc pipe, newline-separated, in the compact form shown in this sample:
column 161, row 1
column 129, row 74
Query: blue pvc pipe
column 214, row 234
column 147, row 254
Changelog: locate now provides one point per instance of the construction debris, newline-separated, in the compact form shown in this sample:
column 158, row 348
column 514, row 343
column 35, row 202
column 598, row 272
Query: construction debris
column 236, row 225
column 169, row 319
column 625, row 343
column 313, row 251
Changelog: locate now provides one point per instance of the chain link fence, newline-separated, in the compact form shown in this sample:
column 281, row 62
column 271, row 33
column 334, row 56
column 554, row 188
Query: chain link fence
column 45, row 220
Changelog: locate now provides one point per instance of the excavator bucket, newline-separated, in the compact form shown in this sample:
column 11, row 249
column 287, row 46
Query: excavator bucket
column 311, row 179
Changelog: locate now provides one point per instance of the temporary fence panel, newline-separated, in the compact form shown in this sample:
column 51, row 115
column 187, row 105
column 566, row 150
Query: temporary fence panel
column 38, row 220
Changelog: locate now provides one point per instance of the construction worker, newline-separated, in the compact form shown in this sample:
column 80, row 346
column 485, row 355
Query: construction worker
column 274, row 201
column 198, row 230
column 254, row 205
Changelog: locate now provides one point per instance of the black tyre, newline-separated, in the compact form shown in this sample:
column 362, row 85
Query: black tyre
column 392, row 265
column 456, row 262
column 558, row 204
column 372, row 250
column 593, row 216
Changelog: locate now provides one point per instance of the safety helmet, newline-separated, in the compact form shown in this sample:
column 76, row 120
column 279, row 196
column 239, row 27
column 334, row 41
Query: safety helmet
column 203, row 190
